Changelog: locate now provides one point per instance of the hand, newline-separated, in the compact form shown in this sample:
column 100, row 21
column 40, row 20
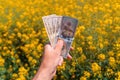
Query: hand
column 51, row 59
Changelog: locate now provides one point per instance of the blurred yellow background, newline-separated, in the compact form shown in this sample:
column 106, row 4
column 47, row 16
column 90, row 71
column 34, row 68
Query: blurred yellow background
column 96, row 54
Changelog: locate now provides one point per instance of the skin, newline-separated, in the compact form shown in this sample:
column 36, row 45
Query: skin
column 51, row 59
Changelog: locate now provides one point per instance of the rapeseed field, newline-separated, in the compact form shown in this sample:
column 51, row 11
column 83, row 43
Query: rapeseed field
column 96, row 54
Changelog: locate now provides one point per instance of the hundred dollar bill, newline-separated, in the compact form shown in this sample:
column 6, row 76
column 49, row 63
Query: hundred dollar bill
column 67, row 31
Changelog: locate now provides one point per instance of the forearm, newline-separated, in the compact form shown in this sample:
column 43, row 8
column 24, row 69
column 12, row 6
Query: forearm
column 43, row 73
column 51, row 59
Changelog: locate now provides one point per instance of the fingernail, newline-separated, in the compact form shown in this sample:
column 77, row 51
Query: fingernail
column 60, row 41
column 59, row 64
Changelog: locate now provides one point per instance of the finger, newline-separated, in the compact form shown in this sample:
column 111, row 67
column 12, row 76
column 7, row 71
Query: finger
column 71, row 48
column 59, row 46
column 61, row 61
column 47, row 47
column 69, row 57
column 54, row 73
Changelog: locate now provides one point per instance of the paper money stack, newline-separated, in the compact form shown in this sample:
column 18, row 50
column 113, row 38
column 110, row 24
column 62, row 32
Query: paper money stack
column 60, row 27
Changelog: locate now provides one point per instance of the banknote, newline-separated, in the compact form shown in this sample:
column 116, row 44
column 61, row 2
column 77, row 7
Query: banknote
column 52, row 25
column 60, row 27
column 68, row 28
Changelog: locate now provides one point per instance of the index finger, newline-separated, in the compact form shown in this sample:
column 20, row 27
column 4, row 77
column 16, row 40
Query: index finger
column 59, row 46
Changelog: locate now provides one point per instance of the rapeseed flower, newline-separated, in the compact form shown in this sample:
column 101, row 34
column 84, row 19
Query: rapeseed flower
column 2, row 61
column 96, row 42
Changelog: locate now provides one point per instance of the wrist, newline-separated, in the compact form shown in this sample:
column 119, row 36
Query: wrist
column 43, row 73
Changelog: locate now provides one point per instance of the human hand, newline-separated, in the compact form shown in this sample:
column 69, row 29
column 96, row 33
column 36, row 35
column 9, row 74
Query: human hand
column 51, row 59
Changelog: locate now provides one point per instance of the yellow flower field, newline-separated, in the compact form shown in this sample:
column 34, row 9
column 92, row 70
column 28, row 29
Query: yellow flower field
column 96, row 54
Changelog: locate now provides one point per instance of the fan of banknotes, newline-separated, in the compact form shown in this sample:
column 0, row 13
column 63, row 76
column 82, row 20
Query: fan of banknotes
column 60, row 27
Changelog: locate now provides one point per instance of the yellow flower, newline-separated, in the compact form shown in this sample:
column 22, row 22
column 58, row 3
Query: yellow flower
column 26, row 65
column 73, row 63
column 23, row 71
column 117, row 45
column 118, row 75
column 2, row 61
column 18, row 61
column 109, row 72
column 118, row 58
column 62, row 67
column 39, row 47
column 81, row 28
column 9, row 42
column 16, row 30
column 106, row 42
column 19, row 34
column 80, row 49
column 35, row 53
column 33, row 62
column 95, row 67
column 72, row 70
column 101, row 45
column 21, row 77
column 92, row 48
column 90, row 38
column 112, row 62
column 19, row 24
column 81, row 37
column 35, row 72
column 83, row 78
column 83, row 56
column 111, row 53
column 6, row 34
column 14, row 75
column 101, row 57
column 87, row 74
column 55, row 77
column 0, row 40
column 10, row 68
column 5, row 48
column 30, row 58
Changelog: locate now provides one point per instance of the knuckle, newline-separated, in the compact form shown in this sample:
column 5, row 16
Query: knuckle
column 46, row 46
